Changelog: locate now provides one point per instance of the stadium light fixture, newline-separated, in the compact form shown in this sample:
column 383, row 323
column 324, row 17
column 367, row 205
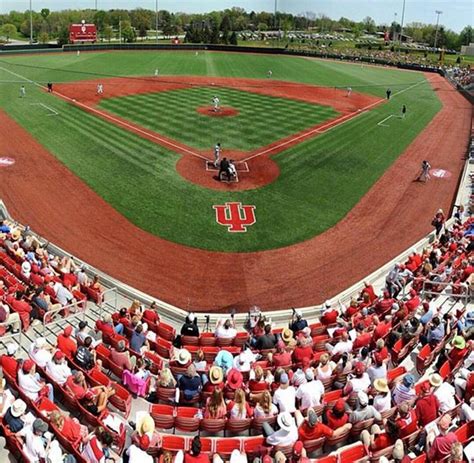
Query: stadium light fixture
column 438, row 13
column 401, row 23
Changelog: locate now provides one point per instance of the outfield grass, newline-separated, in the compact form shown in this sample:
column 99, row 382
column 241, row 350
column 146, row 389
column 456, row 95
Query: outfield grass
column 261, row 120
column 320, row 181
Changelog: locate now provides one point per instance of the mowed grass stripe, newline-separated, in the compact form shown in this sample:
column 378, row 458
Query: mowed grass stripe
column 256, row 112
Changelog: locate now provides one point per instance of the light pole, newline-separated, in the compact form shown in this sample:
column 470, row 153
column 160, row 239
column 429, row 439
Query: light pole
column 31, row 23
column 438, row 13
column 401, row 24
column 156, row 19
column 95, row 5
column 394, row 37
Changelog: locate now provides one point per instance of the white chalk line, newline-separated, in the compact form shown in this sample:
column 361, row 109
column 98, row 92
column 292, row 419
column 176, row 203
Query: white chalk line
column 53, row 111
column 113, row 119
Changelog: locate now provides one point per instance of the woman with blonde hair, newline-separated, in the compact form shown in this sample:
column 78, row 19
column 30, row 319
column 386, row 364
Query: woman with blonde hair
column 216, row 407
column 166, row 379
column 239, row 408
column 258, row 383
column 325, row 368
column 70, row 428
column 265, row 407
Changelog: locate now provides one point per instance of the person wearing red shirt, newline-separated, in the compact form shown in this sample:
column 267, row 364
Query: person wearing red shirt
column 258, row 384
column 105, row 325
column 414, row 262
column 18, row 304
column 442, row 444
column 304, row 350
column 282, row 357
column 381, row 329
column 407, row 423
column 311, row 427
column 67, row 426
column 77, row 385
column 151, row 314
column 369, row 290
column 414, row 302
column 427, row 406
column 384, row 304
column 195, row 455
column 363, row 338
column 329, row 316
column 66, row 344
column 352, row 309
column 381, row 349
column 363, row 317
column 337, row 416
column 458, row 351
column 377, row 439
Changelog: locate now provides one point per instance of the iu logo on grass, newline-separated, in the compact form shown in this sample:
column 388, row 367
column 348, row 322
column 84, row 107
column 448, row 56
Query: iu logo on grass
column 235, row 216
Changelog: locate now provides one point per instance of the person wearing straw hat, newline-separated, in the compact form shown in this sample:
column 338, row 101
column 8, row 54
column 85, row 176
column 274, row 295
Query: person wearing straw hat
column 15, row 417
column 215, row 380
column 286, row 335
column 145, row 426
column 286, row 435
column 444, row 392
column 383, row 397
column 182, row 359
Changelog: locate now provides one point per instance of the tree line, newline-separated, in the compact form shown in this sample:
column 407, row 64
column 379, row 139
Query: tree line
column 213, row 27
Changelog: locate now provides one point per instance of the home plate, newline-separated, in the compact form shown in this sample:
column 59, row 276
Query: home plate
column 6, row 162
column 440, row 173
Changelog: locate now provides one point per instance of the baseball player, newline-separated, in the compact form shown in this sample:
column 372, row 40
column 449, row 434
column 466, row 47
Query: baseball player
column 22, row 91
column 217, row 154
column 50, row 87
column 404, row 111
column 216, row 102
column 100, row 89
column 388, row 93
column 157, row 72
column 349, row 91
column 425, row 172
column 269, row 74
column 78, row 53
column 232, row 169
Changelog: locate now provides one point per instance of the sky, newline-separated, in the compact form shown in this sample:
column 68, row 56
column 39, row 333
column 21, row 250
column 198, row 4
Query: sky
column 456, row 13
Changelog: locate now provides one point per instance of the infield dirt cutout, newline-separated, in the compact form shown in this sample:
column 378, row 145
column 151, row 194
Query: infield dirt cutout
column 224, row 111
column 192, row 164
column 395, row 213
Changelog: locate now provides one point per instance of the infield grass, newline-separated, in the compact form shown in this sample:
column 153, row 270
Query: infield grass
column 321, row 179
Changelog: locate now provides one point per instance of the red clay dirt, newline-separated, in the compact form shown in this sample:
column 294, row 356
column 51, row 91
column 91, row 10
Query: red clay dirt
column 224, row 111
column 395, row 213
column 84, row 95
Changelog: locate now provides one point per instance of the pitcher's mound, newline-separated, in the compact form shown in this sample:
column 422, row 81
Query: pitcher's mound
column 224, row 111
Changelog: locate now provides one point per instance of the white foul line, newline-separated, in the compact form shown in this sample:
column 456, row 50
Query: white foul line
column 386, row 119
column 53, row 112
column 115, row 120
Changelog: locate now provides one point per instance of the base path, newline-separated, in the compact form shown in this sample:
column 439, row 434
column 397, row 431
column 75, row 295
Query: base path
column 394, row 214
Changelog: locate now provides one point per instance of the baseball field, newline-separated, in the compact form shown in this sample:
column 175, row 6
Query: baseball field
column 127, row 176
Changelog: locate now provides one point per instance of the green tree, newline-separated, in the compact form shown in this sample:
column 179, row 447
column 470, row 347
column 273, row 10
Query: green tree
column 369, row 24
column 128, row 33
column 101, row 20
column 108, row 33
column 45, row 13
column 466, row 36
column 8, row 31
column 63, row 36
column 43, row 37
column 262, row 27
column 233, row 39
column 225, row 28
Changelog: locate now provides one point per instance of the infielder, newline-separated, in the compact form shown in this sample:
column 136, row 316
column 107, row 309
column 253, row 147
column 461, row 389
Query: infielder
column 22, row 91
column 216, row 102
column 349, row 91
column 425, row 172
column 78, row 53
column 404, row 111
column 217, row 154
column 156, row 72
column 269, row 74
column 100, row 89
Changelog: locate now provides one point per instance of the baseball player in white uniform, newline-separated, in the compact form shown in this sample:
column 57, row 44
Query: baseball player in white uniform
column 100, row 89
column 349, row 91
column 157, row 72
column 217, row 154
column 22, row 91
column 216, row 102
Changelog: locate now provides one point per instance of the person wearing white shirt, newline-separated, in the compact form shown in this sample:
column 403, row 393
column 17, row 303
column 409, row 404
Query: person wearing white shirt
column 63, row 295
column 444, row 392
column 383, row 399
column 35, row 447
column 341, row 347
column 58, row 369
column 310, row 393
column 285, row 396
column 243, row 361
column 361, row 380
column 6, row 397
column 40, row 352
column 286, row 435
column 137, row 453
column 30, row 382
column 226, row 330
